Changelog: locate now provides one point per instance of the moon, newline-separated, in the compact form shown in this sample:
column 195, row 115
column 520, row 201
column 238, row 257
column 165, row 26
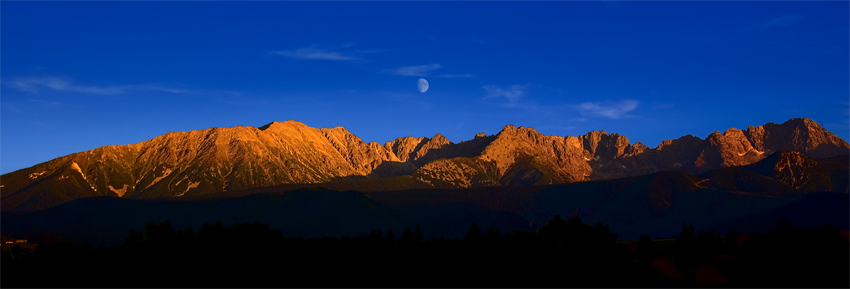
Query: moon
column 422, row 84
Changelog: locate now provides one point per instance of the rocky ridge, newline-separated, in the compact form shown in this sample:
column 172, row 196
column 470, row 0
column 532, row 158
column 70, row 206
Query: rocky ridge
column 236, row 158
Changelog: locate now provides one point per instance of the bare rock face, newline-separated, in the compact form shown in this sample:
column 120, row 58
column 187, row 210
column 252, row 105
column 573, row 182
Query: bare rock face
column 361, row 156
column 684, row 153
column 602, row 145
column 208, row 161
column 406, row 148
column 695, row 155
column 735, row 149
column 519, row 146
column 800, row 134
column 455, row 173
column 731, row 148
column 433, row 150
column 514, row 156
column 795, row 170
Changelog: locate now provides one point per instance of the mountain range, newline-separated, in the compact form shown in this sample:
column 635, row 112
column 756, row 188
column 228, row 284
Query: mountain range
column 285, row 155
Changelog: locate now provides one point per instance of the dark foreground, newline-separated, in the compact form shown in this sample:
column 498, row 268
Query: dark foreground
column 563, row 253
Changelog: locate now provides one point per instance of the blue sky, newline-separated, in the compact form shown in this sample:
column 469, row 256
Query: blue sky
column 78, row 75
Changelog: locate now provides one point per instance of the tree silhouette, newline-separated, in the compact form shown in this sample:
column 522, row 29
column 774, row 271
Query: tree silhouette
column 645, row 251
column 473, row 234
column 390, row 236
column 134, row 240
column 407, row 236
column 686, row 252
column 564, row 253
column 417, row 234
column 493, row 234
column 709, row 244
column 731, row 240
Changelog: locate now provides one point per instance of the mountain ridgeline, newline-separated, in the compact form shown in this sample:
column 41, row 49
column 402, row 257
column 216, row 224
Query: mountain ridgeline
column 220, row 160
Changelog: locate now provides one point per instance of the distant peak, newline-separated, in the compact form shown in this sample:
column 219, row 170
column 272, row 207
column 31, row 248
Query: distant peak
column 265, row 127
column 732, row 130
column 801, row 119
column 480, row 134
column 337, row 129
column 291, row 122
column 276, row 123
column 596, row 132
column 439, row 138
column 805, row 121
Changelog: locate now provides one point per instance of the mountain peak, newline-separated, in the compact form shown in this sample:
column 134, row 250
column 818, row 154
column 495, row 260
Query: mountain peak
column 285, row 123
column 440, row 139
column 800, row 134
column 802, row 120
column 596, row 133
column 732, row 131
column 509, row 127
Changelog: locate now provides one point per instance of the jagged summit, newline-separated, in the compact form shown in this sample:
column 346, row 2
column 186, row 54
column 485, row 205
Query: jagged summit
column 277, row 123
column 225, row 159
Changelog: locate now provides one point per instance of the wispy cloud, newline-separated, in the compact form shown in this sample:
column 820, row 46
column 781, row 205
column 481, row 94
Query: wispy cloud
column 62, row 84
column 375, row 50
column 612, row 110
column 780, row 21
column 424, row 70
column 513, row 93
column 455, row 75
column 11, row 106
column 36, row 84
column 48, row 102
column 313, row 53
column 419, row 70
column 162, row 88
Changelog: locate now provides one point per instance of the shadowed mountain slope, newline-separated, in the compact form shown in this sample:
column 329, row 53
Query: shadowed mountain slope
column 798, row 171
column 655, row 204
column 306, row 213
column 816, row 209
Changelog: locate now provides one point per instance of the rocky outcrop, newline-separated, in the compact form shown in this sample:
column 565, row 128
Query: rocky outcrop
column 406, row 148
column 795, row 170
column 602, row 145
column 799, row 134
column 558, row 158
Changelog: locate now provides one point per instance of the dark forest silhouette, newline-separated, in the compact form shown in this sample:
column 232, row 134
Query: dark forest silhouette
column 563, row 253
